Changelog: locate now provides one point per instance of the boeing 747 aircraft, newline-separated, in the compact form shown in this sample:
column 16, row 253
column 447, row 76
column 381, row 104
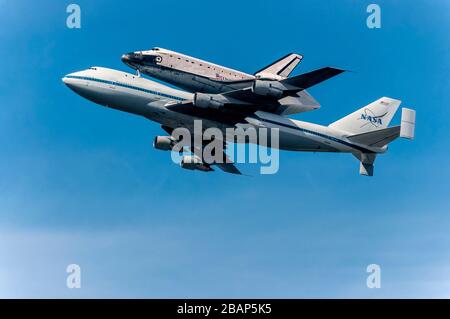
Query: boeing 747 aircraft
column 364, row 133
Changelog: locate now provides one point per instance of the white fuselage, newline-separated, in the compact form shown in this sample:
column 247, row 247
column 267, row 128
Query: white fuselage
column 133, row 94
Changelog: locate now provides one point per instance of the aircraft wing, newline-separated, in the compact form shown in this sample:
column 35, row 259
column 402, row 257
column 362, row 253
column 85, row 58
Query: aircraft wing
column 226, row 165
column 283, row 97
column 229, row 168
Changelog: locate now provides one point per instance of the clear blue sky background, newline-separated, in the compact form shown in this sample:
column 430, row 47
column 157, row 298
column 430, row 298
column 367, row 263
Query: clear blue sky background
column 80, row 183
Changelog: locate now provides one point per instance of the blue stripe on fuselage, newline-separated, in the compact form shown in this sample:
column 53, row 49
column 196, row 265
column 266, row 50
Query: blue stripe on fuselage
column 292, row 126
column 126, row 86
column 331, row 138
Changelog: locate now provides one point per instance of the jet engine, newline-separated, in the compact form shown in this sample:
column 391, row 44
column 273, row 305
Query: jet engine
column 208, row 101
column 193, row 162
column 268, row 88
column 165, row 143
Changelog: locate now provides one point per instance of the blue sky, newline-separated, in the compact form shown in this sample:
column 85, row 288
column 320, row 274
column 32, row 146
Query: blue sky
column 81, row 184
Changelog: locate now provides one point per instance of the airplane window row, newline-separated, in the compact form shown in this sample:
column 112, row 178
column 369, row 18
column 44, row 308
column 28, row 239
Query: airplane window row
column 125, row 86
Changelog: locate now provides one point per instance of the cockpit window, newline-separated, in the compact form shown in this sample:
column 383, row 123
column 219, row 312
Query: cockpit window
column 151, row 58
column 155, row 49
column 135, row 55
column 92, row 68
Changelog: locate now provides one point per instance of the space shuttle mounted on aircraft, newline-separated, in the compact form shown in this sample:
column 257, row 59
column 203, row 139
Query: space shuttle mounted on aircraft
column 197, row 75
column 270, row 88
column 236, row 100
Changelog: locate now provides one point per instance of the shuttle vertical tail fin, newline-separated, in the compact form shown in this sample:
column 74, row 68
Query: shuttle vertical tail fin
column 282, row 67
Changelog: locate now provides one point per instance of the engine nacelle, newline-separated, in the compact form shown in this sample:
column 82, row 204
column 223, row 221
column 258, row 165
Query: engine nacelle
column 192, row 162
column 268, row 88
column 164, row 143
column 207, row 101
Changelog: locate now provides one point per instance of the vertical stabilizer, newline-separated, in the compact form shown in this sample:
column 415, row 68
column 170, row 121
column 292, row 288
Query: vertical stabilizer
column 377, row 115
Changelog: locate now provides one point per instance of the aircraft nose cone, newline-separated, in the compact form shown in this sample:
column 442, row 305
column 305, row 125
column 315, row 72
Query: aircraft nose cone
column 67, row 80
column 70, row 82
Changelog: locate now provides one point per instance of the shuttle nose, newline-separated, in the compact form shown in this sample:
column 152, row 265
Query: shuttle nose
column 125, row 58
column 132, row 57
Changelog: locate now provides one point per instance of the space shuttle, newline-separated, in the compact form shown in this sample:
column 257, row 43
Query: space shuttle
column 197, row 75
column 210, row 81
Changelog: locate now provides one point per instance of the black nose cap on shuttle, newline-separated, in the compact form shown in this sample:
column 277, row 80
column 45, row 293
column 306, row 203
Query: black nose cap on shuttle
column 126, row 57
column 132, row 57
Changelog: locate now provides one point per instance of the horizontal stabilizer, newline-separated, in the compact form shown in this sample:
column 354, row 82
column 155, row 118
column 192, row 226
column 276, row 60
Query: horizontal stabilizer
column 306, row 80
column 377, row 138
